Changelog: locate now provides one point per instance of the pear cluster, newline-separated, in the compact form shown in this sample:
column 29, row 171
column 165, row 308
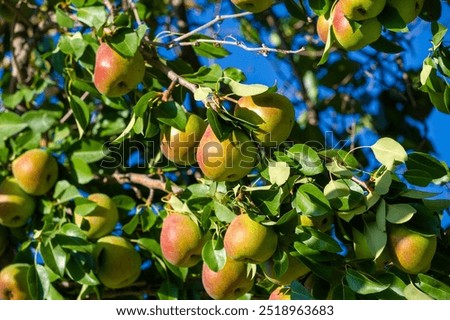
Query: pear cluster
column 355, row 23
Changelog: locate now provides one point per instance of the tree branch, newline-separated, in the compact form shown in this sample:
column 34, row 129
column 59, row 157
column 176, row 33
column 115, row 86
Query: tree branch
column 146, row 181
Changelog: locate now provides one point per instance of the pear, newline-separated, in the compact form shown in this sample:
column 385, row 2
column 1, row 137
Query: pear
column 227, row 160
column 322, row 223
column 362, row 9
column 296, row 269
column 408, row 10
column 180, row 147
column 352, row 37
column 229, row 283
column 410, row 251
column 323, row 27
column 281, row 293
column 181, row 240
column 254, row 6
column 14, row 283
column 36, row 171
column 3, row 239
column 273, row 113
column 115, row 75
column 102, row 220
column 16, row 206
column 118, row 264
column 249, row 241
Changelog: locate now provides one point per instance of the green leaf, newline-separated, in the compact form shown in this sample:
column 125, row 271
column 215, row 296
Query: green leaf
column 390, row 18
column 418, row 177
column 295, row 10
column 223, row 213
column 94, row 16
column 433, row 287
column 268, row 201
column 210, row 50
column 63, row 19
column 412, row 293
column 383, row 182
column 218, row 126
column 361, row 284
column 317, row 240
column 320, row 7
column 125, row 41
column 279, row 172
column 439, row 31
column 201, row 93
column 131, row 226
column 82, row 171
column 81, row 112
column 84, row 206
column 389, row 152
column 383, row 44
column 244, row 90
column 172, row 114
column 144, row 102
column 38, row 282
column 89, row 151
column 73, row 44
column 431, row 10
column 127, row 130
column 399, row 213
column 10, row 124
column 79, row 269
column 214, row 255
column 376, row 238
column 38, row 120
column 307, row 157
column 54, row 257
column 426, row 163
column 151, row 245
column 65, row 192
column 310, row 201
column 299, row 292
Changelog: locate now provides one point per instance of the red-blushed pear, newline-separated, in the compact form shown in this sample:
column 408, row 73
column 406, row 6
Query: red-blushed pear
column 36, row 171
column 296, row 269
column 281, row 293
column 180, row 147
column 254, row 6
column 227, row 160
column 118, row 264
column 362, row 9
column 115, row 75
column 249, row 241
column 409, row 10
column 273, row 113
column 322, row 223
column 229, row 283
column 181, row 240
column 410, row 251
column 14, row 283
column 16, row 206
column 351, row 37
column 323, row 28
column 102, row 220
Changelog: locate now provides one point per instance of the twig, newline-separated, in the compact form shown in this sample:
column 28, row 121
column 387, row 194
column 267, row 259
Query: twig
column 146, row 181
column 363, row 184
column 168, row 92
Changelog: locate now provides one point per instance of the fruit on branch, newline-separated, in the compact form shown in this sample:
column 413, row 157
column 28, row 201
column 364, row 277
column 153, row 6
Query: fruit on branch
column 14, row 282
column 3, row 239
column 362, row 9
column 227, row 160
column 102, row 220
column 249, row 241
column 36, row 171
column 118, row 264
column 281, row 293
column 181, row 240
column 296, row 269
column 254, row 6
column 351, row 35
column 16, row 206
column 180, row 147
column 322, row 223
column 115, row 75
column 323, row 27
column 408, row 10
column 410, row 251
column 229, row 283
column 273, row 113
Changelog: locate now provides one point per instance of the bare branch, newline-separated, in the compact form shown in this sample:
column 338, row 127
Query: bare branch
column 146, row 181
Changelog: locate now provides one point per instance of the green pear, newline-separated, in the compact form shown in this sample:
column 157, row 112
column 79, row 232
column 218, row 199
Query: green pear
column 14, row 283
column 296, row 269
column 4, row 239
column 36, row 171
column 229, row 283
column 322, row 223
column 115, row 75
column 16, row 206
column 408, row 10
column 249, row 241
column 180, row 147
column 181, row 240
column 254, row 6
column 273, row 113
column 102, row 220
column 362, row 9
column 410, row 251
column 227, row 160
column 281, row 293
column 323, row 28
column 118, row 264
column 352, row 37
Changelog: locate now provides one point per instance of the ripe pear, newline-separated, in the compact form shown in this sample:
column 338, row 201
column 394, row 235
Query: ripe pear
column 118, row 264
column 409, row 10
column 229, row 283
column 227, row 160
column 254, row 6
column 351, row 38
column 249, row 241
column 180, row 147
column 16, row 206
column 36, row 171
column 281, row 293
column 273, row 113
column 411, row 252
column 322, row 223
column 14, row 283
column 296, row 269
column 102, row 220
column 3, row 239
column 323, row 27
column 115, row 75
column 181, row 240
column 362, row 9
